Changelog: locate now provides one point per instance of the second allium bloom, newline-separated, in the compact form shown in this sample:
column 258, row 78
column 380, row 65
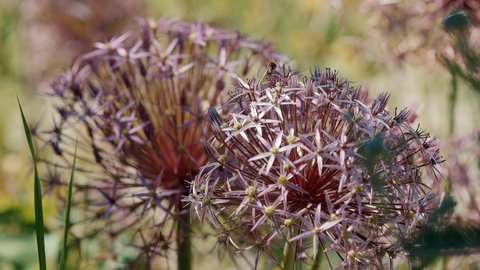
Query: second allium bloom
column 137, row 104
column 316, row 161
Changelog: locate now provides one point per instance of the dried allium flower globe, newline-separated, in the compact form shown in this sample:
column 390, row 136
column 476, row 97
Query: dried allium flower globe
column 141, row 103
column 318, row 163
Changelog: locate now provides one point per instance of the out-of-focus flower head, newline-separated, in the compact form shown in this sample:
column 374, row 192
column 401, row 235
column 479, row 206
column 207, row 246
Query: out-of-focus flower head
column 414, row 28
column 58, row 30
column 463, row 171
column 137, row 103
column 314, row 161
column 82, row 22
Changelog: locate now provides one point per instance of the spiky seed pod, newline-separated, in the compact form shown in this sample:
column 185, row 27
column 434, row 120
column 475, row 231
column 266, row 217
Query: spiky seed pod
column 139, row 103
column 314, row 158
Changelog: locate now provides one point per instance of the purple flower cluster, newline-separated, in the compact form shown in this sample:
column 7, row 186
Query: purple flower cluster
column 314, row 161
column 311, row 161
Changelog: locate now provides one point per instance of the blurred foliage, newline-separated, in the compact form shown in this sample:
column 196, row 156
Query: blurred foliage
column 342, row 34
column 439, row 239
column 467, row 64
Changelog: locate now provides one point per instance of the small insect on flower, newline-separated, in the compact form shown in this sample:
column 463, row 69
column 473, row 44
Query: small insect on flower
column 138, row 104
column 326, row 168
column 271, row 68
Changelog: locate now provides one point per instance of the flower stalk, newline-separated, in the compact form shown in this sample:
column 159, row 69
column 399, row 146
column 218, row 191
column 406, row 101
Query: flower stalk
column 184, row 242
column 452, row 103
column 288, row 255
column 318, row 258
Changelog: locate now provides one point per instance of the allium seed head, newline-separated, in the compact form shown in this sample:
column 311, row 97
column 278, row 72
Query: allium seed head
column 141, row 100
column 323, row 163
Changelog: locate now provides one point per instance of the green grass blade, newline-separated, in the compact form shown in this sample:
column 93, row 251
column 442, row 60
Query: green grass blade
column 39, row 228
column 66, row 227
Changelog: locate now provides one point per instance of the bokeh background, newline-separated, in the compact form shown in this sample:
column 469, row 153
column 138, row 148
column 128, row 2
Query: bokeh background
column 389, row 46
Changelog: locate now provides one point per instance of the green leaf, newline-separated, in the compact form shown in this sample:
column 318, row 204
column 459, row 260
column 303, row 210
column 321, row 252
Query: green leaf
column 39, row 227
column 373, row 150
column 436, row 239
column 446, row 207
column 66, row 226
column 433, row 243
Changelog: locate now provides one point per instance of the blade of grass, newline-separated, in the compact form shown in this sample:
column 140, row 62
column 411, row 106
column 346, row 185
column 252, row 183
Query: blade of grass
column 66, row 226
column 39, row 228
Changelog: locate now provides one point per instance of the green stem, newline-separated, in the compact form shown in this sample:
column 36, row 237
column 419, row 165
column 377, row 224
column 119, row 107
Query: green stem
column 452, row 103
column 66, row 226
column 288, row 255
column 184, row 244
column 443, row 262
column 318, row 258
column 451, row 107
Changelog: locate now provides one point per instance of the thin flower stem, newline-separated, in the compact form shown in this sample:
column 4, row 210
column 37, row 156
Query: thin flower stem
column 443, row 262
column 288, row 255
column 452, row 103
column 184, row 245
column 318, row 258
column 66, row 226
column 451, row 107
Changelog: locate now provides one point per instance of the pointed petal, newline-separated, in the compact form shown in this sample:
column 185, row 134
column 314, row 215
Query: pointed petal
column 329, row 224
column 319, row 164
column 318, row 142
column 260, row 156
column 269, row 164
column 301, row 236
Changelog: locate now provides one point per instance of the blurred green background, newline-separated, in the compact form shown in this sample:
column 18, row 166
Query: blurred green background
column 365, row 40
